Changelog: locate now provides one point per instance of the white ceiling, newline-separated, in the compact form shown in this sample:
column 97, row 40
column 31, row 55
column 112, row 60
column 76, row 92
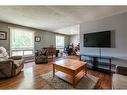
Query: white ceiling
column 71, row 30
column 55, row 18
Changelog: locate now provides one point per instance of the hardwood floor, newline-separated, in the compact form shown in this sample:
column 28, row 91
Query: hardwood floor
column 30, row 77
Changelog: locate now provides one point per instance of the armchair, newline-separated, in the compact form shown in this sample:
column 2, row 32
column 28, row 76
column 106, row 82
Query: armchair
column 41, row 56
column 11, row 66
column 121, row 70
column 119, row 79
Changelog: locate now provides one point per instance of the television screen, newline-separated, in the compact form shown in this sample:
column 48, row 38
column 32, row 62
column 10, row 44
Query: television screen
column 98, row 39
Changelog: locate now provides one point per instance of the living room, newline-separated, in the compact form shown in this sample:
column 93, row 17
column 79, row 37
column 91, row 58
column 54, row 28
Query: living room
column 47, row 39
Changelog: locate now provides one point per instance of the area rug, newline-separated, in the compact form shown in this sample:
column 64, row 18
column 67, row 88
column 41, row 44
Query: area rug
column 87, row 82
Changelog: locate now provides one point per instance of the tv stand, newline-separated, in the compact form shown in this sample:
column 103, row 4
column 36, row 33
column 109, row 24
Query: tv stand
column 99, row 63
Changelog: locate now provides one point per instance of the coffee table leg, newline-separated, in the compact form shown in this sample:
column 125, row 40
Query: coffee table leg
column 73, row 81
column 53, row 70
column 85, row 70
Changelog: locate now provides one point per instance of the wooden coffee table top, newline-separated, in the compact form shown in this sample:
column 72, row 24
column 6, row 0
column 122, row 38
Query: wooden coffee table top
column 70, row 63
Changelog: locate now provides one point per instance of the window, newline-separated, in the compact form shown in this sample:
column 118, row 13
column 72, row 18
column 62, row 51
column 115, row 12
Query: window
column 60, row 42
column 22, row 42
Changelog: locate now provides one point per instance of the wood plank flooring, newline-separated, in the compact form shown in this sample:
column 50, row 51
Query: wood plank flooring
column 30, row 77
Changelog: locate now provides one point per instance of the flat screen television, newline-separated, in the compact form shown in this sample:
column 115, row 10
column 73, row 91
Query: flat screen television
column 98, row 39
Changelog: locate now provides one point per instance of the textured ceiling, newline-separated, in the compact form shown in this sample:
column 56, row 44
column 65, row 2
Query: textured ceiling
column 55, row 18
column 71, row 30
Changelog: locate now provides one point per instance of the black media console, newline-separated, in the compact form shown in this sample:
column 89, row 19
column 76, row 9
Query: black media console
column 99, row 63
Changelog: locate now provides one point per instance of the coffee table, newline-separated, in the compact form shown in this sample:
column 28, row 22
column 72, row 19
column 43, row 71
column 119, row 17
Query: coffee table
column 70, row 70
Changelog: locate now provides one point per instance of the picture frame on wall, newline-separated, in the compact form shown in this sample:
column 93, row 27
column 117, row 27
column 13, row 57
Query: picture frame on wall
column 37, row 38
column 3, row 35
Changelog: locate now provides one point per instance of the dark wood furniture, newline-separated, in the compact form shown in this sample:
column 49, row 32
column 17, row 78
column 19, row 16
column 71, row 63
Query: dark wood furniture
column 70, row 70
column 100, row 63
column 51, row 51
column 57, row 52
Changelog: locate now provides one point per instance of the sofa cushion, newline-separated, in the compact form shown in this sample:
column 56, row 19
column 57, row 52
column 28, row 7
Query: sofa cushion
column 119, row 81
column 44, row 51
column 3, row 53
column 3, row 59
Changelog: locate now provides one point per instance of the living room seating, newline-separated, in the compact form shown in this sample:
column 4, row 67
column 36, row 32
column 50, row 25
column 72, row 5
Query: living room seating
column 68, row 49
column 41, row 56
column 51, row 51
column 11, row 66
column 72, row 50
column 119, row 79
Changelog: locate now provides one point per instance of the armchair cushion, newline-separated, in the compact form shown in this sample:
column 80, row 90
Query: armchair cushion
column 3, row 59
column 119, row 81
column 18, row 62
column 44, row 52
column 15, row 57
column 6, row 61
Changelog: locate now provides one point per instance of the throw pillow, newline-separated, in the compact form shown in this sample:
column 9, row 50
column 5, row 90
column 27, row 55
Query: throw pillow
column 3, row 53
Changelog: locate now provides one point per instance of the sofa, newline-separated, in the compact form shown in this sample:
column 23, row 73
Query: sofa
column 119, row 79
column 11, row 67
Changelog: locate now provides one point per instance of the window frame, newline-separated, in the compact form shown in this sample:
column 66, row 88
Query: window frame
column 23, row 49
column 60, row 47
